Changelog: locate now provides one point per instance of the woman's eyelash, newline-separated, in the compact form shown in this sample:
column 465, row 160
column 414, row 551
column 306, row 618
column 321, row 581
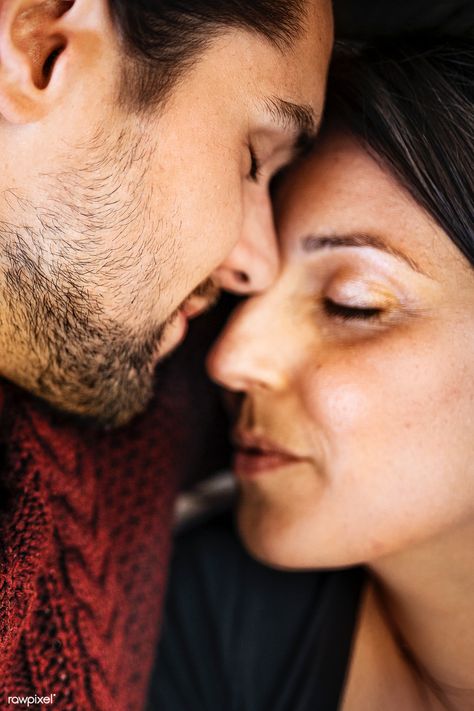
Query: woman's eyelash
column 255, row 165
column 350, row 313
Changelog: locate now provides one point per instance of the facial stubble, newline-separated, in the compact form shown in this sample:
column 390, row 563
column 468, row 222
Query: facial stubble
column 74, row 355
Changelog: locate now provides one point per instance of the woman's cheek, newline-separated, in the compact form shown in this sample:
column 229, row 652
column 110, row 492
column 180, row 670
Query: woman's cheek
column 339, row 399
column 369, row 409
column 403, row 410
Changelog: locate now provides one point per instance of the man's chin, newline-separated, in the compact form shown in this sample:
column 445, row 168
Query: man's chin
column 173, row 335
column 123, row 386
column 135, row 388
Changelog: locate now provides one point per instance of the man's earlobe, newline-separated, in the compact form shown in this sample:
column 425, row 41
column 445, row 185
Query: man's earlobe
column 34, row 35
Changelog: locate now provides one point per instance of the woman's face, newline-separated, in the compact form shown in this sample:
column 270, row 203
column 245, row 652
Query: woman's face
column 355, row 439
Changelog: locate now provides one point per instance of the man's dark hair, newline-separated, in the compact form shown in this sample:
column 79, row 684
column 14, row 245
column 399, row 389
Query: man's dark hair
column 410, row 103
column 164, row 37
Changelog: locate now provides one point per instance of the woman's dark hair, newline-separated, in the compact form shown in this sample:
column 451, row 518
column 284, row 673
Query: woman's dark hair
column 164, row 37
column 410, row 103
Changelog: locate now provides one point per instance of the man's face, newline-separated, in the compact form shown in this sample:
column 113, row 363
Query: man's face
column 111, row 220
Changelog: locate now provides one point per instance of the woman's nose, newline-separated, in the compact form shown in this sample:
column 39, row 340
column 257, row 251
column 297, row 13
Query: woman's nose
column 253, row 264
column 248, row 353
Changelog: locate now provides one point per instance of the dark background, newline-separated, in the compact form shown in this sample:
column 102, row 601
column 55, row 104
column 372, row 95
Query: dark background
column 365, row 18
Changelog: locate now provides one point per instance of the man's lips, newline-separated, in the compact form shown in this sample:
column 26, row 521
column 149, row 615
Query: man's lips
column 255, row 455
column 194, row 307
column 177, row 327
column 197, row 303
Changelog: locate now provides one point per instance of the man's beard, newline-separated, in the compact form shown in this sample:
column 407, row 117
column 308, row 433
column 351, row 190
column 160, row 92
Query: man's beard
column 83, row 363
column 107, row 374
column 61, row 343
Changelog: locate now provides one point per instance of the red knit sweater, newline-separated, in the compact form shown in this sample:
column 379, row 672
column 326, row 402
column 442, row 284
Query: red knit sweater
column 84, row 541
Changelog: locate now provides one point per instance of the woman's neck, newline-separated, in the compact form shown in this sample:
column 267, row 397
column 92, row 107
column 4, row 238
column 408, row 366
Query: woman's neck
column 428, row 594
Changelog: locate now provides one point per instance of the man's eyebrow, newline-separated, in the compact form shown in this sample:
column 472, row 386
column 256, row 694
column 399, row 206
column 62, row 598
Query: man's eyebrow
column 312, row 243
column 299, row 117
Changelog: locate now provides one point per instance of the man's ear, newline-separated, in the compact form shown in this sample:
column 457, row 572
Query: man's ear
column 37, row 37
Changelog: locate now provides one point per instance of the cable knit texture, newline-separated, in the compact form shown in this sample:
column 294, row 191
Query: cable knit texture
column 85, row 522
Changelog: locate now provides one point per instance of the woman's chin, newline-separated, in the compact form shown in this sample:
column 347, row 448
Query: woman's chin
column 273, row 541
column 290, row 539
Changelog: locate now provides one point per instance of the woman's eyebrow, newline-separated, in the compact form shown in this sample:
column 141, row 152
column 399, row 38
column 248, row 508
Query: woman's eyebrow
column 312, row 243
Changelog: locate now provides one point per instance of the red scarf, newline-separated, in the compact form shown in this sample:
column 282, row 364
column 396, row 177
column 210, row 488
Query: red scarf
column 85, row 522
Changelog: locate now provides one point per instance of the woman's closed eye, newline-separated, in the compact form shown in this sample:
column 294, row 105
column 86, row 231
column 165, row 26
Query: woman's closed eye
column 348, row 312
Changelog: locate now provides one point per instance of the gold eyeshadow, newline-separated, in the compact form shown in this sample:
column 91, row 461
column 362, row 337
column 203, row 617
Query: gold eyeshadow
column 362, row 293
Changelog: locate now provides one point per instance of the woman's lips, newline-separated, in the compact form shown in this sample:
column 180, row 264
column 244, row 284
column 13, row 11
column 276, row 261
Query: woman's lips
column 255, row 455
column 249, row 463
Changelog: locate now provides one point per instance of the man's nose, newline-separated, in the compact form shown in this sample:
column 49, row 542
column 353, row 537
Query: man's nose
column 253, row 264
column 249, row 353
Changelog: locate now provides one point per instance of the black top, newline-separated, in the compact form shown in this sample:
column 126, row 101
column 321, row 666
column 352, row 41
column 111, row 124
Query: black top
column 239, row 636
